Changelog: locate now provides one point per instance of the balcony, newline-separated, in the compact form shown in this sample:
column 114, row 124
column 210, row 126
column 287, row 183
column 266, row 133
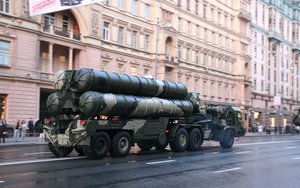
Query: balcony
column 273, row 35
column 296, row 46
column 243, row 14
column 67, row 33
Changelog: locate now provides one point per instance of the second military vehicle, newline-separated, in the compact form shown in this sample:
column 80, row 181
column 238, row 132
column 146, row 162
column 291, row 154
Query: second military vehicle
column 97, row 113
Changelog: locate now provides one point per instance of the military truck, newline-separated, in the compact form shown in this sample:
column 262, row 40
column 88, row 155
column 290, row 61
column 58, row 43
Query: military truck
column 96, row 113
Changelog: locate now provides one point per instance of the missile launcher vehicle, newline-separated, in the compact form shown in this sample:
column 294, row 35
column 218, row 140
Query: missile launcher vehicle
column 96, row 113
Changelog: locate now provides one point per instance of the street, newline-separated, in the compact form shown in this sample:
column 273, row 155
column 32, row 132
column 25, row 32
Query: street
column 254, row 161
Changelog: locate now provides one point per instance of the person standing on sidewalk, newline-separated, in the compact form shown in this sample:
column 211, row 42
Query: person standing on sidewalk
column 31, row 127
column 3, row 130
column 24, row 128
column 17, row 131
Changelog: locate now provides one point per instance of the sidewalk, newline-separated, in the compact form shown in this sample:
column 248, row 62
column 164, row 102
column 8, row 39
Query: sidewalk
column 28, row 141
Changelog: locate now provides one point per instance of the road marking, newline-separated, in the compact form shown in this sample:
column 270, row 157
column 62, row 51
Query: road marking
column 227, row 170
column 296, row 158
column 242, row 152
column 40, row 153
column 159, row 162
column 39, row 161
column 290, row 147
column 2, row 181
column 261, row 143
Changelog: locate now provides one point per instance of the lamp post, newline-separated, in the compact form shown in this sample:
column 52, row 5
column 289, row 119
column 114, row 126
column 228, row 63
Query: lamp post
column 156, row 49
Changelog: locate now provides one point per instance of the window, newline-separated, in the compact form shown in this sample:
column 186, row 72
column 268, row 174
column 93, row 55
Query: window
column 189, row 27
column 134, row 34
column 147, row 9
column 65, row 24
column 4, row 52
column 146, row 71
column 262, row 70
column 4, row 6
column 262, row 85
column 179, row 52
column 120, row 35
column 105, row 65
column 179, row 26
column 106, row 31
column 254, row 84
column 188, row 4
column 147, row 43
column 197, row 57
column 120, row 68
column 196, row 7
column 204, row 11
column 178, row 2
column 134, row 2
column 120, row 4
column 49, row 19
column 133, row 71
column 254, row 68
column 187, row 54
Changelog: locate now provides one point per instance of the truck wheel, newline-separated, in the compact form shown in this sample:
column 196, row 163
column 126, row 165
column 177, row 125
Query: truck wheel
column 79, row 150
column 99, row 147
column 145, row 145
column 228, row 139
column 195, row 139
column 60, row 151
column 180, row 142
column 121, row 144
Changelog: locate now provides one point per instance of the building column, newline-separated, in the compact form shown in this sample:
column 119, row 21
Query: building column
column 70, row 67
column 50, row 58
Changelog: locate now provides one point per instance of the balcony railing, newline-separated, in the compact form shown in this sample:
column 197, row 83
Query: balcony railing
column 68, row 33
column 245, row 15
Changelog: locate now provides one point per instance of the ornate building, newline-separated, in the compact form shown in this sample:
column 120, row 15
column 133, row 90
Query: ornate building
column 275, row 60
column 203, row 44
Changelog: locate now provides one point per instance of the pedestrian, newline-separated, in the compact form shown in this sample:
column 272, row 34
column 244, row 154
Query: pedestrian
column 275, row 129
column 24, row 128
column 3, row 130
column 31, row 127
column 17, row 131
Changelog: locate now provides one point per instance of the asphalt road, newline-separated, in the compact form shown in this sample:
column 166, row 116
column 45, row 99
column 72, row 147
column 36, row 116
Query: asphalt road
column 269, row 161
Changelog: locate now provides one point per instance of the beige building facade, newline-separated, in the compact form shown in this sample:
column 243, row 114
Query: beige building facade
column 275, row 61
column 203, row 44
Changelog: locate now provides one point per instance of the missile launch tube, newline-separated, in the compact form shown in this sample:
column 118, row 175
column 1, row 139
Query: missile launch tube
column 101, row 81
column 94, row 103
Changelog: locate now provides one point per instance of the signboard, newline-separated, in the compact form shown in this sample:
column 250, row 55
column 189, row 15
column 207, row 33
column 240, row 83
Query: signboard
column 37, row 7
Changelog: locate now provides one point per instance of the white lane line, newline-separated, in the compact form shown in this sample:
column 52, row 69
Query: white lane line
column 159, row 162
column 290, row 147
column 2, row 181
column 261, row 143
column 40, row 153
column 39, row 161
column 296, row 158
column 242, row 152
column 227, row 170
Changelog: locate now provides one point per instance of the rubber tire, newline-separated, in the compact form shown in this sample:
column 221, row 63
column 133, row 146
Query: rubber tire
column 228, row 139
column 60, row 151
column 195, row 140
column 120, row 145
column 94, row 152
column 177, row 145
column 79, row 150
column 145, row 145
